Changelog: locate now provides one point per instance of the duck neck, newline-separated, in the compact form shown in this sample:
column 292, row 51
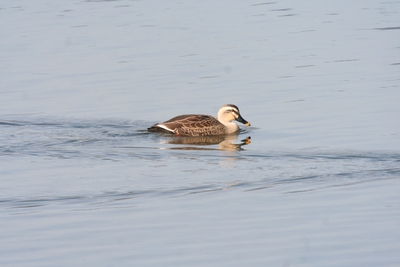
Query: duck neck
column 231, row 127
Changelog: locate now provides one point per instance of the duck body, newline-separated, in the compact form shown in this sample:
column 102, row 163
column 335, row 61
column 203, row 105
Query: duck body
column 202, row 125
column 192, row 125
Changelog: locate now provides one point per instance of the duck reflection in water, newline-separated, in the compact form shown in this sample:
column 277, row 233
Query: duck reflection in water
column 200, row 142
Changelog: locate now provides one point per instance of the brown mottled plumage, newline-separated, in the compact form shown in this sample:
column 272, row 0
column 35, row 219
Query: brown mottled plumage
column 202, row 125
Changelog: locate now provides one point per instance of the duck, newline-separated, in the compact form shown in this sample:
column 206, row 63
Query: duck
column 203, row 125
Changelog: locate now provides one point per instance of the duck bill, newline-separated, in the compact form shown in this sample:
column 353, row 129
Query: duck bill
column 241, row 120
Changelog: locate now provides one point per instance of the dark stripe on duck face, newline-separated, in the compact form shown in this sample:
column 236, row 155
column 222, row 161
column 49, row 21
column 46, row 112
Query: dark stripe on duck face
column 234, row 111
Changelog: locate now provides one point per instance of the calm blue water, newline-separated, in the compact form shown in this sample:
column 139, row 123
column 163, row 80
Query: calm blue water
column 84, row 184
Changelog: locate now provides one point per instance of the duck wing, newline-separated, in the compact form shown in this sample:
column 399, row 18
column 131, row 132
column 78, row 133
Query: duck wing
column 191, row 125
column 170, row 125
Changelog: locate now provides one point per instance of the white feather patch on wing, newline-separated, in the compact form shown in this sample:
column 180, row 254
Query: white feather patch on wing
column 165, row 128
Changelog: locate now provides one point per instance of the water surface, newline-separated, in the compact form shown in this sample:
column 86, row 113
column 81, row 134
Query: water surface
column 83, row 183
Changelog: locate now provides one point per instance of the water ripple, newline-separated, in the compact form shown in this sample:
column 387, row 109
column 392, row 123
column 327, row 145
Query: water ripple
column 117, row 149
